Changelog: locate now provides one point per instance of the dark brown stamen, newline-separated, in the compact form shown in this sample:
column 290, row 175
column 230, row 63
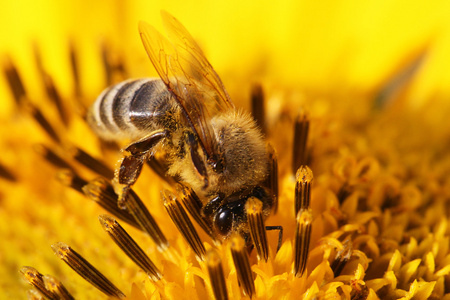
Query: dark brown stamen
column 36, row 113
column 184, row 224
column 299, row 153
column 254, row 208
column 109, row 146
column 49, row 155
column 75, row 70
column 194, row 206
column 113, row 64
column 86, row 270
column 38, row 60
column 258, row 109
column 50, row 87
column 359, row 291
column 216, row 275
column 161, row 169
column 345, row 191
column 143, row 217
column 7, row 174
column 54, row 95
column 242, row 265
column 301, row 242
column 90, row 162
column 399, row 81
column 55, row 287
column 120, row 69
column 342, row 257
column 106, row 64
column 304, row 178
column 102, row 192
column 71, row 179
column 14, row 81
column 129, row 246
column 272, row 179
column 36, row 280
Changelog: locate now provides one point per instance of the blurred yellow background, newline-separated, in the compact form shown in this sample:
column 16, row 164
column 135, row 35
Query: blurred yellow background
column 322, row 47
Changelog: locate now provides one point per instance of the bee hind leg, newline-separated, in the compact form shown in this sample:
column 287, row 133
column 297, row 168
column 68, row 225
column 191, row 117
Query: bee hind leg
column 135, row 155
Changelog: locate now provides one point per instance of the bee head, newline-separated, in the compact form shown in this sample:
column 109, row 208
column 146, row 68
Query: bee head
column 228, row 214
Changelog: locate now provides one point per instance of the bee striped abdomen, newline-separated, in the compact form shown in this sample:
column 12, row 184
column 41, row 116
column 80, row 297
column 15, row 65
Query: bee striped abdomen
column 129, row 109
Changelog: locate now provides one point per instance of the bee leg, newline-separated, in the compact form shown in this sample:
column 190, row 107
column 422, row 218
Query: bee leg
column 128, row 173
column 136, row 154
column 280, row 234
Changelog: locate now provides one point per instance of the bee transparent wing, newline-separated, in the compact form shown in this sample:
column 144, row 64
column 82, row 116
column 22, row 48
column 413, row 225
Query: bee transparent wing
column 188, row 75
column 199, row 64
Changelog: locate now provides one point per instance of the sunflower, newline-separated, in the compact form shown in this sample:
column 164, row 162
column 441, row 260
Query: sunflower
column 351, row 96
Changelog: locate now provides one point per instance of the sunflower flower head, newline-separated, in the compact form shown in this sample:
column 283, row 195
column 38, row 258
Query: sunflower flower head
column 358, row 164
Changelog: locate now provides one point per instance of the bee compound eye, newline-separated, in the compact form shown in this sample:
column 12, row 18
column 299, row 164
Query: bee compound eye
column 224, row 220
column 229, row 216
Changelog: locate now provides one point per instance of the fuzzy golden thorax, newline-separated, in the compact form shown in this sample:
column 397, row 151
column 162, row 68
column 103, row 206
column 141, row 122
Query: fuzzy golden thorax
column 242, row 153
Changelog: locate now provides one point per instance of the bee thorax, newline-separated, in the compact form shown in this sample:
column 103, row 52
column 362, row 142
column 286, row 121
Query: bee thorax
column 242, row 150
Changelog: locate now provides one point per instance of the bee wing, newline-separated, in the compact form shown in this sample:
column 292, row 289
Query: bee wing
column 188, row 75
column 199, row 64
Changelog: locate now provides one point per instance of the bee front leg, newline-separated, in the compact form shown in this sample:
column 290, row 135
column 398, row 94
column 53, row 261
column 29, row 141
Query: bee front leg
column 135, row 155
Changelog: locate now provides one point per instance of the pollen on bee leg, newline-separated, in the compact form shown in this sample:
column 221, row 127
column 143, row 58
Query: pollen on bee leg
column 216, row 275
column 193, row 205
column 304, row 178
column 89, row 162
column 258, row 109
column 302, row 239
column 71, row 179
column 102, row 192
column 254, row 208
column 37, row 281
column 55, row 286
column 183, row 223
column 242, row 265
column 299, row 150
column 129, row 246
column 86, row 270
column 146, row 221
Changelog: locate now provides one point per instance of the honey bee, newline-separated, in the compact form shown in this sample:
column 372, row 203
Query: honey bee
column 188, row 115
